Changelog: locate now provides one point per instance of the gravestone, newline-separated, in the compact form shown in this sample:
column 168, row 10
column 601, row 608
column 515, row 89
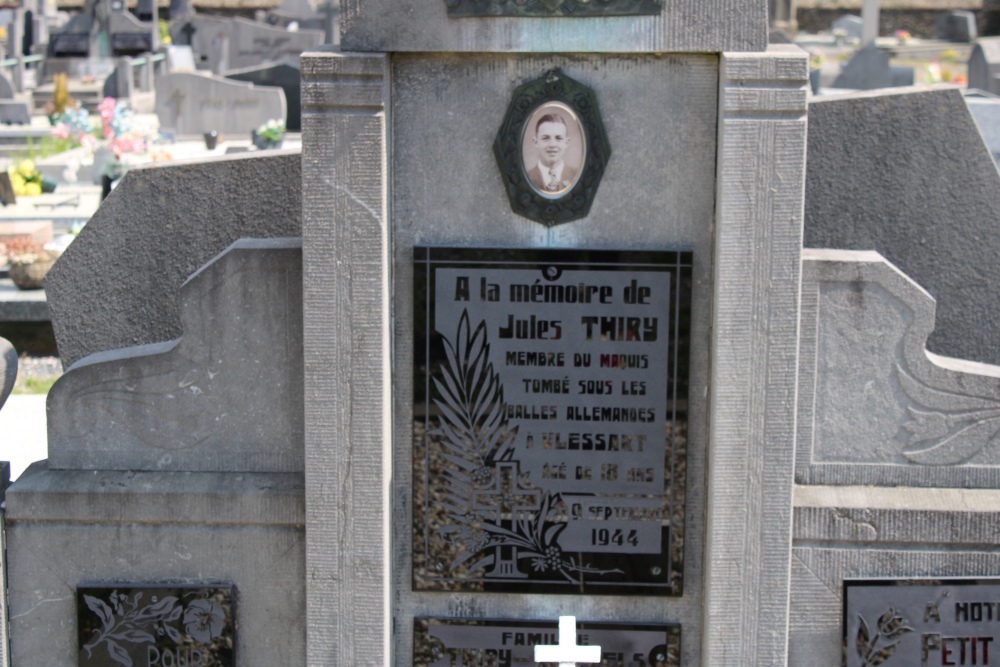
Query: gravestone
column 913, row 213
column 868, row 69
column 850, row 24
column 13, row 112
column 956, row 26
column 222, row 44
column 284, row 75
column 127, row 37
column 196, row 102
column 984, row 65
column 180, row 59
column 93, row 301
column 115, row 410
column 986, row 113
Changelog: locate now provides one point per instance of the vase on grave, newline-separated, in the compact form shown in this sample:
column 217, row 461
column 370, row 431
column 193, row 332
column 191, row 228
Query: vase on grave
column 28, row 271
column 211, row 140
column 262, row 143
column 103, row 157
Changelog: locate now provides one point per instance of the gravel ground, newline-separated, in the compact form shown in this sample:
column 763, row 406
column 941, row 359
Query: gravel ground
column 39, row 368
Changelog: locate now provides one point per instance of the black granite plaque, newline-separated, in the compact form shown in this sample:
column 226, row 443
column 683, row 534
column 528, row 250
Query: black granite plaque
column 446, row 643
column 550, row 420
column 155, row 626
column 921, row 622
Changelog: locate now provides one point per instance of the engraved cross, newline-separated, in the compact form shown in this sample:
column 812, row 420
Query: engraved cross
column 566, row 652
column 505, row 497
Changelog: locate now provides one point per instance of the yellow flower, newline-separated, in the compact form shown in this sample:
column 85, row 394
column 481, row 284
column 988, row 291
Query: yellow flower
column 32, row 189
column 27, row 166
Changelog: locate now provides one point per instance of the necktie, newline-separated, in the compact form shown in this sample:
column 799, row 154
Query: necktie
column 553, row 183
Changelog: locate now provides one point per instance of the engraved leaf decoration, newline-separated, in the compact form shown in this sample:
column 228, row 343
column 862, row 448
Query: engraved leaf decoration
column 947, row 428
column 473, row 425
column 863, row 637
column 118, row 654
column 882, row 654
column 102, row 610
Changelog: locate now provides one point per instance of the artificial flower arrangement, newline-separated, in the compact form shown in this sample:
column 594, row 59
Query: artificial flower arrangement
column 272, row 131
column 27, row 181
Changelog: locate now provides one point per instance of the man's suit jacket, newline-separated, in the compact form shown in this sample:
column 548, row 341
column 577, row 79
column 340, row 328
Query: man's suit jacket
column 568, row 176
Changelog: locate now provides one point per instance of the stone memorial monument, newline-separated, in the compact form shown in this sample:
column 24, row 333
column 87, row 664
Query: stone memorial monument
column 548, row 379
column 578, row 400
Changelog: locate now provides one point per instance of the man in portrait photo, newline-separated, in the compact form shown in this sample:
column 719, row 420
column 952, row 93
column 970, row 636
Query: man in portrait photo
column 551, row 173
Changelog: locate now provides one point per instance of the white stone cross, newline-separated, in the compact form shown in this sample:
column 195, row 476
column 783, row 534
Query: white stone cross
column 567, row 653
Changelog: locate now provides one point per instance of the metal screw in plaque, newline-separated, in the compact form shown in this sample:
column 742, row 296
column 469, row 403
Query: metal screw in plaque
column 567, row 653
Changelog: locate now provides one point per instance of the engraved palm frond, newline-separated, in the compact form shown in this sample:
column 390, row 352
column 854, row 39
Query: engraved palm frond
column 473, row 428
column 947, row 428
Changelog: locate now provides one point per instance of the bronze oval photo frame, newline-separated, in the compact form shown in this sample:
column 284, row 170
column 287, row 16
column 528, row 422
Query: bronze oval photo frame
column 578, row 105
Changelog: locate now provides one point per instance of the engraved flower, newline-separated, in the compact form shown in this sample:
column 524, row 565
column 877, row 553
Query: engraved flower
column 203, row 620
column 482, row 476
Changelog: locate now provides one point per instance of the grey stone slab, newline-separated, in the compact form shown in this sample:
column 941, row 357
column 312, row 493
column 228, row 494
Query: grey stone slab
column 195, row 103
column 661, row 115
column 8, row 369
column 284, row 75
column 172, row 217
column 226, row 396
column 221, row 44
column 984, row 65
column 683, row 25
column 901, row 76
column 956, row 26
column 7, row 91
column 893, row 187
column 758, row 240
column 65, row 528
column 850, row 24
column 986, row 112
column 17, row 305
column 346, row 289
column 875, row 406
column 868, row 69
column 180, row 59
column 868, row 532
column 13, row 112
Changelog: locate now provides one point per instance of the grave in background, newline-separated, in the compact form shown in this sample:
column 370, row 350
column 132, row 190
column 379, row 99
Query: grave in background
column 196, row 102
column 984, row 65
column 222, row 44
column 284, row 75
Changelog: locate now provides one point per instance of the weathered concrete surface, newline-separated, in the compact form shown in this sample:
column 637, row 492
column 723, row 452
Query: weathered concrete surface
column 684, row 25
column 225, row 397
column 117, row 284
column 871, row 532
column 874, row 407
column 247, row 529
column 882, row 175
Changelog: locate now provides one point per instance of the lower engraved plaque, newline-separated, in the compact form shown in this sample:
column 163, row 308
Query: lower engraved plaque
column 921, row 622
column 550, row 415
column 155, row 626
column 463, row 643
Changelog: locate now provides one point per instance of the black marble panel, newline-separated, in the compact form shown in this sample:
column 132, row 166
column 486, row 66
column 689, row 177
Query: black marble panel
column 494, row 643
column 550, row 420
column 155, row 626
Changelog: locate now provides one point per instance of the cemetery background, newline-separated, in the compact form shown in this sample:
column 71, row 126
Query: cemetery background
column 889, row 510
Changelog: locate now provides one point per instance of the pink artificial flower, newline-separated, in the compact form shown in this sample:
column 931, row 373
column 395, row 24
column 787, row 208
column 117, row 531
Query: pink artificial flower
column 60, row 131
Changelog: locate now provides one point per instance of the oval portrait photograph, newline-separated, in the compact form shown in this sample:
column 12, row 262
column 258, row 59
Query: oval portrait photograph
column 553, row 149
